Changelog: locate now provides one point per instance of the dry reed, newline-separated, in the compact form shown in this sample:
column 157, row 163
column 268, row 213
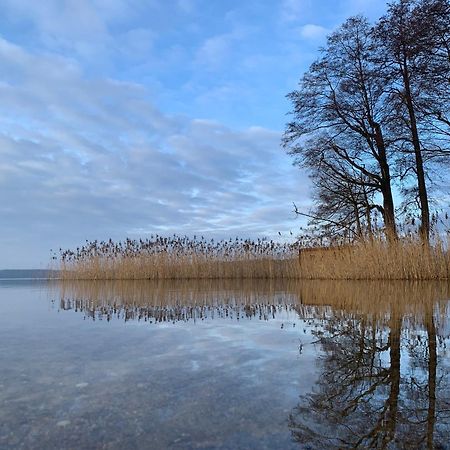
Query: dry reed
column 406, row 259
column 161, row 258
column 177, row 257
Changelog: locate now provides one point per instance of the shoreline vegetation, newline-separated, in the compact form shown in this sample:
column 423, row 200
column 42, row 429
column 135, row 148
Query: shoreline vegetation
column 182, row 258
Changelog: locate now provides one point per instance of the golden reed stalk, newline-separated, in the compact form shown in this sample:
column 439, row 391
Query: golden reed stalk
column 377, row 260
column 372, row 260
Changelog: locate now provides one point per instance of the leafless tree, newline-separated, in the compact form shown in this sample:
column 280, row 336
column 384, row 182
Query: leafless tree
column 339, row 114
column 412, row 42
column 372, row 114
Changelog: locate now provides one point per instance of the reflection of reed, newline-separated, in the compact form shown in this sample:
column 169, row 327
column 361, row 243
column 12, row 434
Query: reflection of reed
column 184, row 300
column 175, row 313
column 183, row 292
column 373, row 296
column 162, row 301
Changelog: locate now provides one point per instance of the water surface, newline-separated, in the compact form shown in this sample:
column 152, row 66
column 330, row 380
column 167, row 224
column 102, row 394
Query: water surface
column 136, row 365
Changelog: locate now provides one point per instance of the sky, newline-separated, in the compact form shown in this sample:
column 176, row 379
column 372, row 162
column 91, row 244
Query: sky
column 123, row 118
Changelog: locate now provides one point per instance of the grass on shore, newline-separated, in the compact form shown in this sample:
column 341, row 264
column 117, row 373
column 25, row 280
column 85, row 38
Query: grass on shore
column 176, row 257
column 163, row 258
column 378, row 260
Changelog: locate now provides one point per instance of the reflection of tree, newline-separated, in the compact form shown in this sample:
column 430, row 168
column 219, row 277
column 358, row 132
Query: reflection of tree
column 426, row 400
column 432, row 369
column 372, row 392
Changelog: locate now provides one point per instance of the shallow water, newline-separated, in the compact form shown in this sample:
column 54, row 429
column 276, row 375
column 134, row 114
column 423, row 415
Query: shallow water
column 224, row 365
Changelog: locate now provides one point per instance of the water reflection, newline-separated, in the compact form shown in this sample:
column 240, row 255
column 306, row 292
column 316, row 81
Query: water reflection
column 384, row 379
column 164, row 301
column 382, row 359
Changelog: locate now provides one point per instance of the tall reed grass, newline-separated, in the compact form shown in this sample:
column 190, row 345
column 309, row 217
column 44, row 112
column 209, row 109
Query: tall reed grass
column 406, row 259
column 180, row 258
column 161, row 258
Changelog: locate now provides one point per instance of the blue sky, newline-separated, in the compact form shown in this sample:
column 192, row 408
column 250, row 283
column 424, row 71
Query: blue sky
column 124, row 118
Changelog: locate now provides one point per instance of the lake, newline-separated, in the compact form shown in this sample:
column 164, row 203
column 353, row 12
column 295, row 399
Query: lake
column 224, row 364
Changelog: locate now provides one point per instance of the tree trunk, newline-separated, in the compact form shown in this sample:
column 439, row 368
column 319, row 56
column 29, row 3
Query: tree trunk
column 386, row 189
column 422, row 188
column 367, row 214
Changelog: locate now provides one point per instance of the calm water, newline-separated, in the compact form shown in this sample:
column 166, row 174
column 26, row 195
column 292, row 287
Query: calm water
column 224, row 365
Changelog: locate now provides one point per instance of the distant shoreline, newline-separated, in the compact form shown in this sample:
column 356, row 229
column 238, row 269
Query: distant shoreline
column 28, row 274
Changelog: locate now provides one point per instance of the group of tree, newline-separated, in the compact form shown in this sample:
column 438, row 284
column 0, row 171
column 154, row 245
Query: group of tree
column 371, row 120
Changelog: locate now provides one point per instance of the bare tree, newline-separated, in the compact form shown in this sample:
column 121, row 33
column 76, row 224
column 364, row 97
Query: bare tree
column 339, row 114
column 413, row 49
column 434, row 102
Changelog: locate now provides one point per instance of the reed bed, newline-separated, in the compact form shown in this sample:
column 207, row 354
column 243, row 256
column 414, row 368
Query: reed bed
column 405, row 259
column 162, row 258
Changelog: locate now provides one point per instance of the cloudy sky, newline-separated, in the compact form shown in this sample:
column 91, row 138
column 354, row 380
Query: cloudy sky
column 129, row 117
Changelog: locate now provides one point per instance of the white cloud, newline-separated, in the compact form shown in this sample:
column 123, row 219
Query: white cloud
column 311, row 31
column 69, row 19
column 96, row 33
